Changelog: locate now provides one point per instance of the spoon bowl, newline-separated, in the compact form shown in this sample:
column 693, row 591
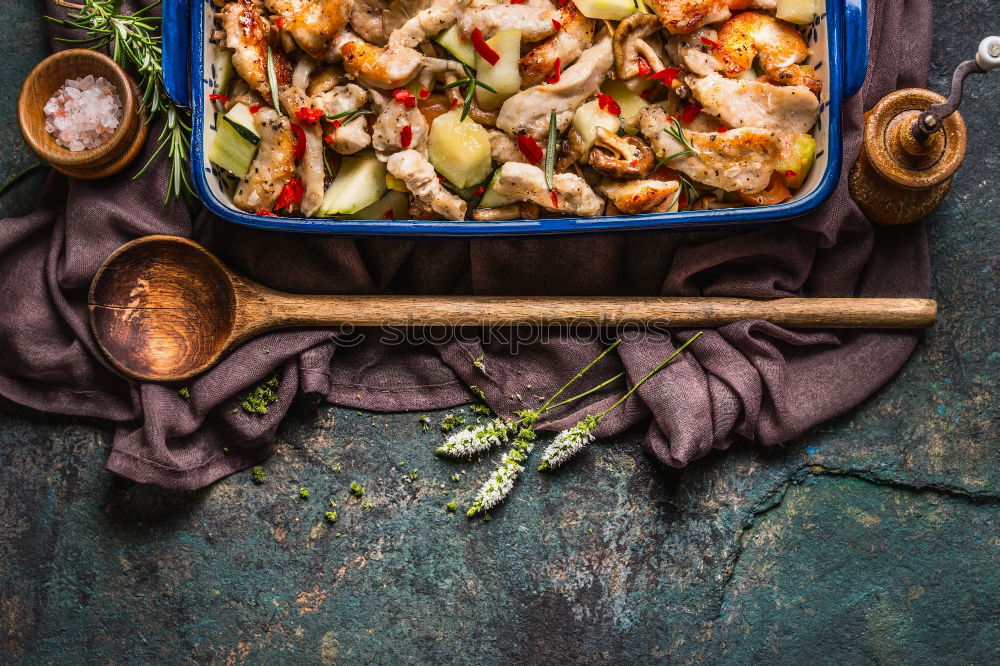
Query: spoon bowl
column 163, row 308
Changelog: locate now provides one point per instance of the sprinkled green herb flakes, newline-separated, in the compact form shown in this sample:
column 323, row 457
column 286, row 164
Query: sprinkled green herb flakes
column 356, row 489
column 331, row 516
column 304, row 493
column 451, row 506
column 451, row 421
column 185, row 393
column 425, row 422
column 456, row 478
column 414, row 475
column 262, row 397
column 479, row 362
column 257, row 474
column 334, row 468
column 481, row 410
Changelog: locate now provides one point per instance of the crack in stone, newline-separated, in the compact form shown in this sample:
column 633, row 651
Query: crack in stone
column 776, row 497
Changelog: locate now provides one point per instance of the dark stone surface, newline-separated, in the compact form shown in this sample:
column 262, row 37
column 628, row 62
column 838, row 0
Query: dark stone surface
column 871, row 539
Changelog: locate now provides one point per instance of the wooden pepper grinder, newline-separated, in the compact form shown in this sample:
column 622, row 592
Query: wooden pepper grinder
column 914, row 142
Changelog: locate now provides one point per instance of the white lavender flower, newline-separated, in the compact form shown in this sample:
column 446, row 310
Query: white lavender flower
column 568, row 443
column 470, row 441
column 501, row 481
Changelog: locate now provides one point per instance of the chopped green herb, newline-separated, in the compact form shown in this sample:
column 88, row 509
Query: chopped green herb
column 478, row 392
column 366, row 505
column 262, row 397
column 451, row 421
column 425, row 422
column 335, row 468
column 451, row 506
column 257, row 474
column 185, row 393
column 481, row 410
column 357, row 489
column 304, row 493
column 487, row 517
column 445, row 492
column 479, row 362
column 456, row 477
column 414, row 475
column 331, row 516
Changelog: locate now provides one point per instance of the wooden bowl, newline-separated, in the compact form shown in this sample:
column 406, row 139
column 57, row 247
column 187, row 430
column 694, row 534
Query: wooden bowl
column 50, row 75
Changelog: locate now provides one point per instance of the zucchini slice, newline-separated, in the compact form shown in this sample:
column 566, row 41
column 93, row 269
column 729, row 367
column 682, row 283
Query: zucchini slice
column 236, row 141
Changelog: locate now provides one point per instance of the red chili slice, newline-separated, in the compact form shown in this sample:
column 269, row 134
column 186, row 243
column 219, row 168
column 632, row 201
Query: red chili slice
column 483, row 49
column 691, row 112
column 404, row 97
column 255, row 108
column 790, row 174
column 682, row 201
column 518, row 2
column 454, row 103
column 666, row 76
column 424, row 93
column 219, row 98
column 529, row 148
column 309, row 116
column 608, row 103
column 480, row 191
column 266, row 213
column 557, row 25
column 280, row 22
column 555, row 199
column 406, row 136
column 328, row 139
column 336, row 124
column 646, row 93
column 300, row 142
column 708, row 42
column 556, row 73
column 292, row 193
column 723, row 129
column 644, row 68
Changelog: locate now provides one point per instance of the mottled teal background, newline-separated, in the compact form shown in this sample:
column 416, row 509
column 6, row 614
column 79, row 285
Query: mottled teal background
column 871, row 539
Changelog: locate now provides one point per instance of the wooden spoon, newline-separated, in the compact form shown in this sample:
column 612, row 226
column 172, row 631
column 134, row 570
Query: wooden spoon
column 165, row 309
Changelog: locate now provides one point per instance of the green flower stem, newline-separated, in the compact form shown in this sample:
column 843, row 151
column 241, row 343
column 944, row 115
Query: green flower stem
column 586, row 393
column 648, row 376
column 579, row 374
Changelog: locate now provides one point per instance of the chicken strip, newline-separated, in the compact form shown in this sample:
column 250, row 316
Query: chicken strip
column 535, row 23
column 422, row 181
column 695, row 55
column 740, row 103
column 351, row 137
column 529, row 109
column 576, row 34
column 441, row 15
column 683, row 16
column 366, row 20
column 249, row 35
column 313, row 24
column 274, row 165
column 570, row 194
column 633, row 197
column 390, row 127
column 740, row 160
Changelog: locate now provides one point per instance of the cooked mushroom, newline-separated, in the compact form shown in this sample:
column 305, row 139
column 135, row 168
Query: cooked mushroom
column 633, row 197
column 621, row 156
column 571, row 148
column 501, row 214
column 630, row 43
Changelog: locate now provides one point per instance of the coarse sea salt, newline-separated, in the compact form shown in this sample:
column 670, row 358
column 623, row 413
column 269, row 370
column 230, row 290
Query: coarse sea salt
column 83, row 113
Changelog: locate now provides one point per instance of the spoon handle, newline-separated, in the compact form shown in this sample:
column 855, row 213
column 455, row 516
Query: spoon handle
column 281, row 311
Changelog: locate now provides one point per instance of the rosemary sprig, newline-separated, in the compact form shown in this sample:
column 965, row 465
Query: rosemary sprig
column 349, row 115
column 132, row 39
column 16, row 178
column 272, row 80
column 471, row 82
column 677, row 134
column 550, row 151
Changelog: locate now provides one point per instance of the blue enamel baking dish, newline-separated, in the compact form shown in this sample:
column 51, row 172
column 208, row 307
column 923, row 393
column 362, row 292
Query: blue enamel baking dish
column 838, row 39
